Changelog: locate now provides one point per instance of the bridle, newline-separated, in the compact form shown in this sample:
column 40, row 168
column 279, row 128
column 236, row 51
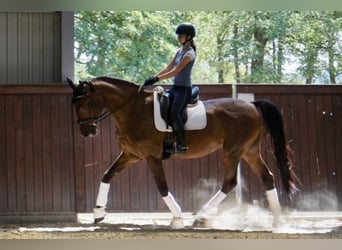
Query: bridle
column 91, row 119
column 103, row 115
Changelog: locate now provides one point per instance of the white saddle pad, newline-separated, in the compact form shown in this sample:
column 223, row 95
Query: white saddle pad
column 197, row 117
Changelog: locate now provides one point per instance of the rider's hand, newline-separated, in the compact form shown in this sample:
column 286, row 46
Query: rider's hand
column 151, row 80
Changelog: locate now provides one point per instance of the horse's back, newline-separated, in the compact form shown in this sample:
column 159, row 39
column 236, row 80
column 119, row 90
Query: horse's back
column 231, row 106
column 233, row 117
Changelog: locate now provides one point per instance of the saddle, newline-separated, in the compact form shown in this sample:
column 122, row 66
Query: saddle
column 193, row 115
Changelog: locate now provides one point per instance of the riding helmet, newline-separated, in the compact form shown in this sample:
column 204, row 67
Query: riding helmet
column 186, row 29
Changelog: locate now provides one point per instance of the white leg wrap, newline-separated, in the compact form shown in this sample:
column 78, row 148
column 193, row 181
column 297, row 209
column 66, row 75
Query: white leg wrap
column 214, row 201
column 273, row 201
column 172, row 205
column 102, row 196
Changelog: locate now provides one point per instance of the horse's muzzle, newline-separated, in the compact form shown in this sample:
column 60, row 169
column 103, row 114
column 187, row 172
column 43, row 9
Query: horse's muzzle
column 88, row 130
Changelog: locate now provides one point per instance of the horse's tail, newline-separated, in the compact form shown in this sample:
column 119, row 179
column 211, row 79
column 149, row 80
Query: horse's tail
column 274, row 125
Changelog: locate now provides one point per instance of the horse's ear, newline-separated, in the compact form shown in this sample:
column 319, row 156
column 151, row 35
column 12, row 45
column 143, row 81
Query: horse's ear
column 92, row 88
column 89, row 84
column 71, row 83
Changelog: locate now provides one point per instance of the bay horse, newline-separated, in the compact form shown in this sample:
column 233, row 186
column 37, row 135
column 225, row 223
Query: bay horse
column 233, row 125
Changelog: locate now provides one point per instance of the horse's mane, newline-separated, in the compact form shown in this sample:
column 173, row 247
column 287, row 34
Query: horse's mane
column 114, row 81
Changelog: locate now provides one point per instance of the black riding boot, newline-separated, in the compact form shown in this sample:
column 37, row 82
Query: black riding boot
column 180, row 138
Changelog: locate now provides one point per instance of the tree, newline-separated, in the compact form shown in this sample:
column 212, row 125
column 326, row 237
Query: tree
column 233, row 46
column 124, row 44
column 316, row 40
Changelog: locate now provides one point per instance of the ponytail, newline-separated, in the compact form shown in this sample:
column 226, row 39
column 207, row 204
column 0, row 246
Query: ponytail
column 193, row 45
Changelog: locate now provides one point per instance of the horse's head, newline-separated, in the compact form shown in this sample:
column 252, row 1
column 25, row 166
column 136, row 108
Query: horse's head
column 88, row 110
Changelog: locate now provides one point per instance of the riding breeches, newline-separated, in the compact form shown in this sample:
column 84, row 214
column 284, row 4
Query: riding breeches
column 181, row 95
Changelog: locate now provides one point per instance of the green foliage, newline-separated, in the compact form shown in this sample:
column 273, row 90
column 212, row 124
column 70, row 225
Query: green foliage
column 128, row 45
column 260, row 47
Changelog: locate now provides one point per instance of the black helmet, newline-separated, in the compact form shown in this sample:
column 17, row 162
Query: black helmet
column 186, row 29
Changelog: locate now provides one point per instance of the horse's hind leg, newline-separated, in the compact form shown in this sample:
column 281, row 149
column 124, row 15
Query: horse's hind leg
column 258, row 166
column 230, row 170
column 159, row 176
column 122, row 162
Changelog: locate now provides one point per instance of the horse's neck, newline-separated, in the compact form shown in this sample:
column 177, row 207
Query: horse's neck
column 114, row 96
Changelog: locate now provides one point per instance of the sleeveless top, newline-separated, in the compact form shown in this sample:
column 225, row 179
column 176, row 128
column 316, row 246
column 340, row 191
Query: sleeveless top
column 184, row 77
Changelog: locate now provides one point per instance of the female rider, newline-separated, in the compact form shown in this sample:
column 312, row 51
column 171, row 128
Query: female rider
column 180, row 68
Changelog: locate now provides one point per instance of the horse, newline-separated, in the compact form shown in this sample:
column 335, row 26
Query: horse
column 233, row 125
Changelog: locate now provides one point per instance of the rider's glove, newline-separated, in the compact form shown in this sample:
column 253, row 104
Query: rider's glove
column 151, row 80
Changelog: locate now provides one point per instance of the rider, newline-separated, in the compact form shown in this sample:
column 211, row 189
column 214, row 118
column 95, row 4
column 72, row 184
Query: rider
column 180, row 68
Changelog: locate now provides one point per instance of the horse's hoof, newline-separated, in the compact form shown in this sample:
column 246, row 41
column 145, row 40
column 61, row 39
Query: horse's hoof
column 201, row 222
column 98, row 220
column 177, row 223
column 276, row 222
column 99, row 214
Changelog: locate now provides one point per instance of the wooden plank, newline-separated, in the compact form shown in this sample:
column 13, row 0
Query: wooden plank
column 55, row 154
column 28, row 166
column 195, row 179
column 144, row 191
column 20, row 154
column 47, row 154
column 37, row 121
column 312, row 113
column 135, row 185
column 337, row 142
column 187, row 187
column 125, row 196
column 88, row 167
column 303, row 155
column 35, row 89
column 294, row 123
column 288, row 89
column 23, row 48
column 3, row 48
column 151, row 188
column 328, row 159
column 321, row 152
column 57, row 47
column 38, row 49
column 12, row 48
column 66, row 153
column 3, row 157
column 80, row 179
column 48, row 43
column 101, row 161
column 11, row 154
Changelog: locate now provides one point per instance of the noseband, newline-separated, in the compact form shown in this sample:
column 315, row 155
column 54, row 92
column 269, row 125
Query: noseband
column 92, row 119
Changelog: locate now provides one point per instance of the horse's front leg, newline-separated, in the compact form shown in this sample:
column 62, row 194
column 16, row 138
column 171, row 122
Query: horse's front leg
column 122, row 162
column 159, row 176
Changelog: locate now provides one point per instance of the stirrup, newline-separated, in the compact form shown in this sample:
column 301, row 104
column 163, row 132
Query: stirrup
column 178, row 149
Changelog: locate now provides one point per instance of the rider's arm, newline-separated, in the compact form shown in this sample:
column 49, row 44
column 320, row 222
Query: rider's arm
column 171, row 72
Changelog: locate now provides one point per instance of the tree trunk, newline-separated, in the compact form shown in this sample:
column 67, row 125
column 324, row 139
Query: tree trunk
column 220, row 59
column 332, row 71
column 258, row 60
column 311, row 58
column 280, row 60
column 274, row 61
column 236, row 55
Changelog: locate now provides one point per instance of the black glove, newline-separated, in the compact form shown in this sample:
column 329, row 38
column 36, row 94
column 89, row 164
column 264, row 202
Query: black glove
column 151, row 80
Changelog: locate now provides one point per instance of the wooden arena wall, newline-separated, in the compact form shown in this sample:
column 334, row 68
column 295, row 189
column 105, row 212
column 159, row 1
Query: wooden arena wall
column 47, row 167
column 313, row 125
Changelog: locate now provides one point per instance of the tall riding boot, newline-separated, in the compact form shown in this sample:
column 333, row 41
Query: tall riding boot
column 178, row 128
